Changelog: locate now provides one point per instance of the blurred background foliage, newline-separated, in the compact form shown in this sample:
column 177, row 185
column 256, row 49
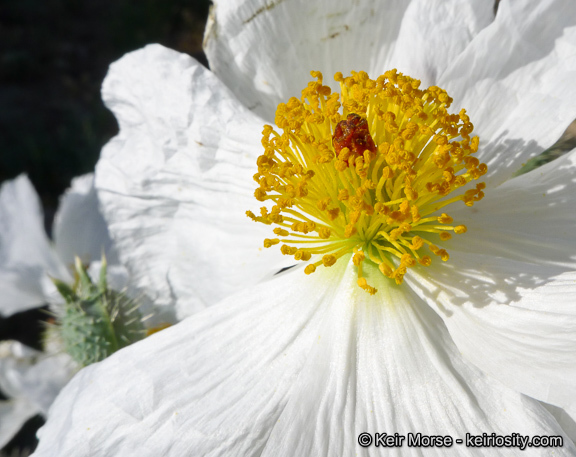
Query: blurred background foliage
column 54, row 55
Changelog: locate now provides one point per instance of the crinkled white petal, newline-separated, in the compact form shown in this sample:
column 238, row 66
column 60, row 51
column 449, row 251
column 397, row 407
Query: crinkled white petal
column 421, row 37
column 515, row 320
column 25, row 252
column 13, row 415
column 79, row 228
column 507, row 293
column 299, row 365
column 176, row 182
column 565, row 420
column 516, row 80
column 431, row 36
column 32, row 375
column 530, row 218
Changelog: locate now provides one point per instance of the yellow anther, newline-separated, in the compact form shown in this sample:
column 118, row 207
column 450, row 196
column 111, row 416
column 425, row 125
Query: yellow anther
column 333, row 213
column 380, row 208
column 355, row 202
column 323, row 203
column 425, row 260
column 340, row 165
column 302, row 255
column 350, row 231
column 459, row 229
column 417, row 243
column 270, row 242
column 344, row 154
column 411, row 194
column 343, row 195
column 310, row 269
column 445, row 219
column 280, row 232
column 328, row 260
column 324, row 233
column 407, row 260
column 288, row 250
column 260, row 195
column 369, row 184
column 444, row 236
column 398, row 274
column 396, row 233
column 358, row 258
column 364, row 285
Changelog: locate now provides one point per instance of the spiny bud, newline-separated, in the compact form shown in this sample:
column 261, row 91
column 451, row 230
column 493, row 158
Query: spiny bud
column 96, row 321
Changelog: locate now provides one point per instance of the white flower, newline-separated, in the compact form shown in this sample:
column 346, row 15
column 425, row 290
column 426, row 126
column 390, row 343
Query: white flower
column 301, row 365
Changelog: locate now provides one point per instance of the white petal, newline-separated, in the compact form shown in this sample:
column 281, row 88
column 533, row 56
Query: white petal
column 515, row 320
column 21, row 289
column 13, row 415
column 565, row 420
column 116, row 275
column 509, row 286
column 297, row 366
column 32, row 375
column 44, row 381
column 516, row 79
column 79, row 228
column 295, row 37
column 25, row 252
column 432, row 35
column 398, row 359
column 530, row 218
column 177, row 180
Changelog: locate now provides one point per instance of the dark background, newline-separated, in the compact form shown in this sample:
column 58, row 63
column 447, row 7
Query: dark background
column 54, row 55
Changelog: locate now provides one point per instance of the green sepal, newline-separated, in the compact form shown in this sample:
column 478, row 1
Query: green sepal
column 565, row 144
column 84, row 284
column 64, row 289
column 102, row 281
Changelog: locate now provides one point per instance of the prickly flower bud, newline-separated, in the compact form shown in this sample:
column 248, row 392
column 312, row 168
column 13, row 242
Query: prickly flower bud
column 96, row 321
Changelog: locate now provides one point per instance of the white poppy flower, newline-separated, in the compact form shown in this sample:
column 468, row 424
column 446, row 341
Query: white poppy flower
column 303, row 364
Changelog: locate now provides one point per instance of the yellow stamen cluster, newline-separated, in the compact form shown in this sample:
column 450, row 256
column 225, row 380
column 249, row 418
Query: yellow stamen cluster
column 382, row 203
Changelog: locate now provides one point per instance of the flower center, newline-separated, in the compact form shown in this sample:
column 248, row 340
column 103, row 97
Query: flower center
column 366, row 172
